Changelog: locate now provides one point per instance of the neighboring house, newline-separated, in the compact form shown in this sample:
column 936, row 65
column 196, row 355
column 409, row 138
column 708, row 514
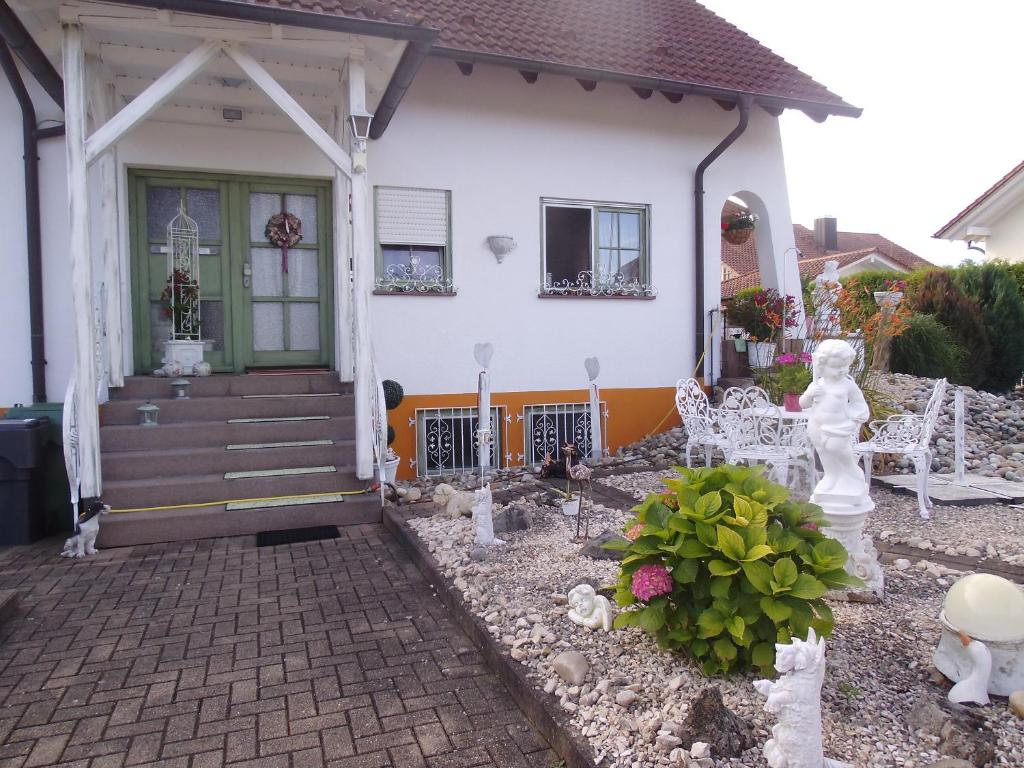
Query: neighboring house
column 994, row 223
column 576, row 128
column 855, row 252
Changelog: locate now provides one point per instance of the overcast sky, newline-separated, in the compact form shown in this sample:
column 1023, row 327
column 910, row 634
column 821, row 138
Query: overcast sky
column 940, row 83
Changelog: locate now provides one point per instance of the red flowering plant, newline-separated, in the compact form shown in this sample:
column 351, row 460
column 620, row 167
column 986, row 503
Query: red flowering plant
column 762, row 313
column 180, row 298
column 732, row 222
column 899, row 286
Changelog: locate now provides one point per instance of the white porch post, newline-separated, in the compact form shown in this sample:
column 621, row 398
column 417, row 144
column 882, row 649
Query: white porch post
column 81, row 266
column 101, row 101
column 342, row 268
column 363, row 270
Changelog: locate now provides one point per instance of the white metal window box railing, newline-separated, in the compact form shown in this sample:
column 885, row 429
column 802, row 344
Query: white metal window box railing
column 589, row 283
column 548, row 427
column 446, row 440
column 414, row 277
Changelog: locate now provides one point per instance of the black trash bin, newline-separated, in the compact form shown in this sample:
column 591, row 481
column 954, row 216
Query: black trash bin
column 58, row 496
column 22, row 480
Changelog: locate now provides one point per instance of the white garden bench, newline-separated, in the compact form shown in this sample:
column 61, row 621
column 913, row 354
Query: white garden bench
column 908, row 435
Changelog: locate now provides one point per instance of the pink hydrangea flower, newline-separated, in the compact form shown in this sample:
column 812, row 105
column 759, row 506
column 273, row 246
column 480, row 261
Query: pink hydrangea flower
column 650, row 581
column 634, row 531
column 786, row 359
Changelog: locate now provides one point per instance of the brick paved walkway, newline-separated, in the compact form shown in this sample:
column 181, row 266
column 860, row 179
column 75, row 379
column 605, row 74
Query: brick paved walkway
column 216, row 652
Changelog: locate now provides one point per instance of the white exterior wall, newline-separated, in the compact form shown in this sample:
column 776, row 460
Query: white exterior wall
column 1007, row 239
column 500, row 145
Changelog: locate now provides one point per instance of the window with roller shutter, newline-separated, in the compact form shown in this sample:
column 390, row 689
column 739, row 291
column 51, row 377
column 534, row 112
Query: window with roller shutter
column 413, row 234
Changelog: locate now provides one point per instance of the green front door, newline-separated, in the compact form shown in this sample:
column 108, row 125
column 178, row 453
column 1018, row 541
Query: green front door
column 259, row 306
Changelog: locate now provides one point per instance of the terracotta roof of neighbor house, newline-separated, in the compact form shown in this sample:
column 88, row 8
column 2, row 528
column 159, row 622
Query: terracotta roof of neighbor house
column 853, row 246
column 981, row 199
column 665, row 42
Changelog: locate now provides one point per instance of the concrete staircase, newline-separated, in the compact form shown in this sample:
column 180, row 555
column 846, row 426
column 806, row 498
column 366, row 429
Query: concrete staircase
column 235, row 438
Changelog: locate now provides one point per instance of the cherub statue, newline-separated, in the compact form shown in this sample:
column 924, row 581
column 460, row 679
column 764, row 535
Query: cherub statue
column 482, row 520
column 795, row 699
column 589, row 609
column 837, row 409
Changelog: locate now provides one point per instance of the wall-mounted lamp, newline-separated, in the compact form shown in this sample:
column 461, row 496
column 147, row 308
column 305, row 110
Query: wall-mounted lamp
column 359, row 123
column 977, row 237
column 500, row 245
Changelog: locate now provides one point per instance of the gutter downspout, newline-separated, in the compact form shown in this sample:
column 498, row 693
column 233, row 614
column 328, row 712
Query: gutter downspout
column 745, row 103
column 33, row 234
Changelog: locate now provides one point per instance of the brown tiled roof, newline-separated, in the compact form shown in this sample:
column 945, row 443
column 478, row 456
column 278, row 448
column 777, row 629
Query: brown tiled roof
column 981, row 198
column 853, row 246
column 676, row 42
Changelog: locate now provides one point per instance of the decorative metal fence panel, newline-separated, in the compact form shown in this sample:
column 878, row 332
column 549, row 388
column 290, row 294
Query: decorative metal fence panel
column 548, row 427
column 446, row 440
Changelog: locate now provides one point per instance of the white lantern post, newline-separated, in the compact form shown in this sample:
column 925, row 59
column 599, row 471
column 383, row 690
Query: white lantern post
column 483, row 353
column 184, row 350
column 593, row 367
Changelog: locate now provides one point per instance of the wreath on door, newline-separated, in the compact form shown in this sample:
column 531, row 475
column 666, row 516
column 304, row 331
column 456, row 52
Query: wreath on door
column 283, row 231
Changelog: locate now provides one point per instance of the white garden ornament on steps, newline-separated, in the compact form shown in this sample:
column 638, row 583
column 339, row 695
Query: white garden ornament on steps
column 795, row 699
column 837, row 410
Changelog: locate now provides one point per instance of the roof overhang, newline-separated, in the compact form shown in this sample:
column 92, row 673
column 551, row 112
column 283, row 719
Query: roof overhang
column 817, row 111
column 979, row 216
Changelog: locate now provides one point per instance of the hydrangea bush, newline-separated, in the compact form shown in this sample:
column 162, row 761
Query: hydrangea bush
column 724, row 566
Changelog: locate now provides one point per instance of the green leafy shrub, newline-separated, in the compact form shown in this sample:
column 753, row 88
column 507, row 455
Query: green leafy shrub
column 937, row 294
column 748, row 568
column 995, row 291
column 927, row 348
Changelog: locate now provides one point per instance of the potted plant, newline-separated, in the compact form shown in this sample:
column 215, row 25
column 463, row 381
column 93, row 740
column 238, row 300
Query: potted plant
column 792, row 377
column 738, row 227
column 183, row 351
column 763, row 314
column 570, row 500
column 892, row 295
column 393, row 397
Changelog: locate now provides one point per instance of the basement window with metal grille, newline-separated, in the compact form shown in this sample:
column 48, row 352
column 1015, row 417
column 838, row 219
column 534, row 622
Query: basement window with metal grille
column 548, row 427
column 413, row 233
column 446, row 442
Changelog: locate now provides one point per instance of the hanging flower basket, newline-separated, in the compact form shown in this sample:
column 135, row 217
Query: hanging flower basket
column 738, row 227
column 737, row 236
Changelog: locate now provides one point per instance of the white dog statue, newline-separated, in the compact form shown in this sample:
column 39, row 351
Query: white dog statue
column 589, row 609
column 455, row 503
column 795, row 699
column 482, row 520
column 84, row 542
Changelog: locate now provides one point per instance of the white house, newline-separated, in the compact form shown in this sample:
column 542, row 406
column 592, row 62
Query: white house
column 994, row 222
column 602, row 137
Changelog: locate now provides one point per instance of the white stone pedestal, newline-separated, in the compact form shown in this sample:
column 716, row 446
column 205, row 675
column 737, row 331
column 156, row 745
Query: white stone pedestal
column 846, row 516
column 181, row 358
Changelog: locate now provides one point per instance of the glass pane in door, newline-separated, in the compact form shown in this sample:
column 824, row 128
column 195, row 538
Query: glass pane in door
column 285, row 287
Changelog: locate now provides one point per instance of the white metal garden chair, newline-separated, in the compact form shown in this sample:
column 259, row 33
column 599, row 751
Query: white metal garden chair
column 908, row 435
column 758, row 434
column 700, row 421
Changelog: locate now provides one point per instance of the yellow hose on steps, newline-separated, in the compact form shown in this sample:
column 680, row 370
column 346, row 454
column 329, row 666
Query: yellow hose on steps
column 238, row 501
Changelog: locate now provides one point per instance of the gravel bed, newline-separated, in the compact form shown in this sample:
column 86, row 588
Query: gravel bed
column 991, row 531
column 879, row 655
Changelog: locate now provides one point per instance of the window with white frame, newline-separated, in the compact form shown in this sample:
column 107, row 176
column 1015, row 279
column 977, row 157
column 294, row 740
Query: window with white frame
column 596, row 249
column 446, row 440
column 413, row 235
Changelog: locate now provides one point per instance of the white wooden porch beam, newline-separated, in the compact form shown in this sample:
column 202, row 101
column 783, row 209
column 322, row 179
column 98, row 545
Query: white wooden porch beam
column 265, row 82
column 362, row 282
column 343, row 337
column 102, row 104
column 150, row 99
column 81, row 265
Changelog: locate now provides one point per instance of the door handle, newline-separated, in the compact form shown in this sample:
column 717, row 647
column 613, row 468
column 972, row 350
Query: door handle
column 246, row 274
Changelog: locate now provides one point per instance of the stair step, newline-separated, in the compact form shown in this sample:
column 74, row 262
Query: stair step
column 135, row 528
column 221, row 409
column 220, row 385
column 292, row 444
column 324, row 470
column 287, row 396
column 295, row 501
column 182, row 462
column 124, row 437
column 199, row 489
column 276, row 419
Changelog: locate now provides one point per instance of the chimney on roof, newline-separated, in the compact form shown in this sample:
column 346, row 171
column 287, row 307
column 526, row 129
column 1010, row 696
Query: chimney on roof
column 826, row 233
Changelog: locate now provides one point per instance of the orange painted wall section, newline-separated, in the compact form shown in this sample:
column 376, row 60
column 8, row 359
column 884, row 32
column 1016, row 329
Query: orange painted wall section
column 632, row 414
